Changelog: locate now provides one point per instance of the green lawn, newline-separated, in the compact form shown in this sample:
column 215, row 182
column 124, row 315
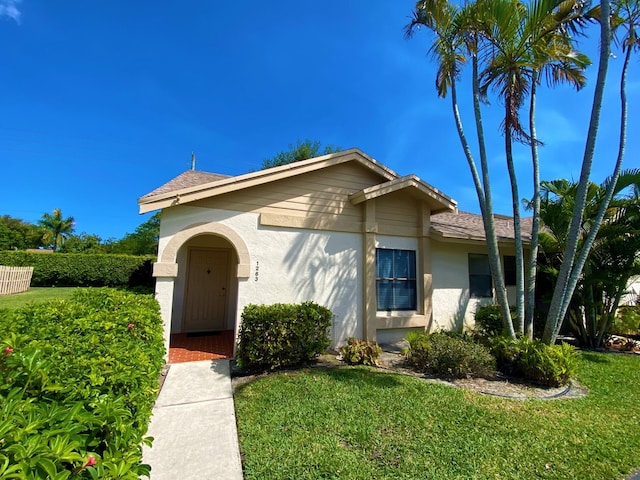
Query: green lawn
column 35, row 294
column 362, row 423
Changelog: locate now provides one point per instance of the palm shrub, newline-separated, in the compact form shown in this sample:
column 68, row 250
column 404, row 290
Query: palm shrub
column 360, row 352
column 281, row 335
column 456, row 356
column 551, row 365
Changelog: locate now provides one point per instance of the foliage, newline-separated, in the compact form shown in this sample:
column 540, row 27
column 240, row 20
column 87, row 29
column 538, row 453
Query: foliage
column 35, row 294
column 300, row 151
column 83, row 243
column 488, row 320
column 361, row 423
column 627, row 321
column 360, row 352
column 280, row 335
column 441, row 353
column 612, row 260
column 74, row 269
column 551, row 365
column 16, row 234
column 78, row 379
column 143, row 241
column 56, row 228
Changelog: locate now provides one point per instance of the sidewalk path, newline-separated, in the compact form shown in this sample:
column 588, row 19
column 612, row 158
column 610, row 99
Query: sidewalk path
column 194, row 425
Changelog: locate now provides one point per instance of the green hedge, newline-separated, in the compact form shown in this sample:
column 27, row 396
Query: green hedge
column 78, row 379
column 82, row 270
column 280, row 335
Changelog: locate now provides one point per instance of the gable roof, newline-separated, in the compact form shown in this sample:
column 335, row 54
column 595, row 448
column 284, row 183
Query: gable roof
column 191, row 187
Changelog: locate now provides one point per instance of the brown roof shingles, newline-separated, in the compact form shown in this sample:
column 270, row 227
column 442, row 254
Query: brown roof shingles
column 465, row 225
column 190, row 178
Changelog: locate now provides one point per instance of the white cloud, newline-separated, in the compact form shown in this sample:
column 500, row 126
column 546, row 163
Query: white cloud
column 9, row 8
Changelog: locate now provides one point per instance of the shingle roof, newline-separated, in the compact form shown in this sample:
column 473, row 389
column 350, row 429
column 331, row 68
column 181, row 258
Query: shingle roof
column 465, row 225
column 190, row 178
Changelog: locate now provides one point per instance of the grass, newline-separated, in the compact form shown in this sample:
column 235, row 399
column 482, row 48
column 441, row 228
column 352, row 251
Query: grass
column 35, row 294
column 362, row 423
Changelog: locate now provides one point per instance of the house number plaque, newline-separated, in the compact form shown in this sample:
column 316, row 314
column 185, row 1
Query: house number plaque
column 257, row 274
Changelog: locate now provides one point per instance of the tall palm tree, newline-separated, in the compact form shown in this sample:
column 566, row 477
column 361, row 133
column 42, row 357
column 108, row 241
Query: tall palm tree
column 523, row 41
column 57, row 229
column 454, row 40
column 625, row 16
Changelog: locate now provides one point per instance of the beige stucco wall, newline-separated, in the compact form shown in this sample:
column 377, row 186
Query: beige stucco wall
column 286, row 266
column 453, row 309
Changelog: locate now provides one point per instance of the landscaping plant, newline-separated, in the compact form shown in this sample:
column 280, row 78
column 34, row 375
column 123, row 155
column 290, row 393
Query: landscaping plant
column 281, row 335
column 78, row 379
column 449, row 355
column 360, row 352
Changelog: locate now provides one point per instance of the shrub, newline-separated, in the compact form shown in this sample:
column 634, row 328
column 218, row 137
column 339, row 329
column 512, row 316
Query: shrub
column 551, row 365
column 78, row 379
column 360, row 352
column 626, row 321
column 82, row 270
column 488, row 320
column 280, row 335
column 449, row 355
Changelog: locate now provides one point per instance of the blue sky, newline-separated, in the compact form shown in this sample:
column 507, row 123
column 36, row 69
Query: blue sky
column 104, row 101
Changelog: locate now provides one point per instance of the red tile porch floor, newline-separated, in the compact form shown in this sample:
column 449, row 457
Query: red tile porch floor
column 186, row 347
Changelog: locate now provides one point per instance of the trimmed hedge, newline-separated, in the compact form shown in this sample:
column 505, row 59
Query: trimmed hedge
column 281, row 335
column 78, row 379
column 449, row 354
column 82, row 270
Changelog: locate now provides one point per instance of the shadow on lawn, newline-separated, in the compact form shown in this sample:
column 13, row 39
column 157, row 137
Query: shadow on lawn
column 377, row 379
column 594, row 357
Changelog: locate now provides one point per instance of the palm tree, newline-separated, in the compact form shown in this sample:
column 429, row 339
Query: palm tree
column 626, row 16
column 56, row 228
column 523, row 41
column 454, row 40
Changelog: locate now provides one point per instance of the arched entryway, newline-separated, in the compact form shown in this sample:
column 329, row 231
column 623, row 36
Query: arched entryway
column 200, row 270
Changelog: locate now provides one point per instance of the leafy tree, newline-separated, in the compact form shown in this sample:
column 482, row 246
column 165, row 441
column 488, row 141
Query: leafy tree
column 16, row 234
column 143, row 241
column 83, row 243
column 300, row 151
column 612, row 261
column 57, row 229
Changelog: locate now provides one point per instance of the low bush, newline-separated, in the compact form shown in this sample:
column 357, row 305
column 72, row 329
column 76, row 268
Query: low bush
column 626, row 321
column 551, row 365
column 360, row 352
column 82, row 270
column 78, row 379
column 449, row 355
column 281, row 335
column 488, row 320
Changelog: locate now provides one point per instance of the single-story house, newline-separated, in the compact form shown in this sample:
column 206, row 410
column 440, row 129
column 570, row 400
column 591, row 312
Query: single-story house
column 386, row 253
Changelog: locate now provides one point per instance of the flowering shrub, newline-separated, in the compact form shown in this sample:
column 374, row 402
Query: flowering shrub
column 77, row 385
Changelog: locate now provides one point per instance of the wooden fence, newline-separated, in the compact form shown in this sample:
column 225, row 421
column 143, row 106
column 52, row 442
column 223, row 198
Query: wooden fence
column 14, row 279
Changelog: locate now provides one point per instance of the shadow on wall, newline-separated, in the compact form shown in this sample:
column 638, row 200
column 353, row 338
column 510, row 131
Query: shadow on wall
column 326, row 268
column 456, row 321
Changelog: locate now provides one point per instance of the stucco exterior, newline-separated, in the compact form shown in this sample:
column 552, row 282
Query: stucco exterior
column 310, row 231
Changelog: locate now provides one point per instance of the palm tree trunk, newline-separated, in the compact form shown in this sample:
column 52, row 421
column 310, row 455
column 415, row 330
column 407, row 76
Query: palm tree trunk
column 622, row 142
column 487, row 214
column 569, row 271
column 530, row 302
column 515, row 201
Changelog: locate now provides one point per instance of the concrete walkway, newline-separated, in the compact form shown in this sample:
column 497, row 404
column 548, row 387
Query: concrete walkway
column 194, row 425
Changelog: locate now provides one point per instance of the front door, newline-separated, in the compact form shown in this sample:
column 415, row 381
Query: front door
column 206, row 293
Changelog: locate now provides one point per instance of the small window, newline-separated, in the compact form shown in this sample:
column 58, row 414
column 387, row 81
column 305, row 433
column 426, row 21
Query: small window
column 509, row 270
column 480, row 285
column 396, row 279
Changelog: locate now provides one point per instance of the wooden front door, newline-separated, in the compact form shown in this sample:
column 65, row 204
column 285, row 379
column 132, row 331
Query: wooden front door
column 206, row 295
